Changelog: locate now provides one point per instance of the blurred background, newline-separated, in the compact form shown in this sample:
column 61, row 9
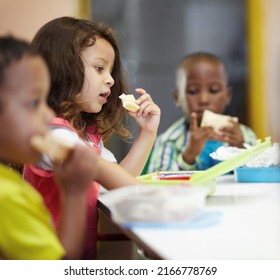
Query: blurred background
column 155, row 34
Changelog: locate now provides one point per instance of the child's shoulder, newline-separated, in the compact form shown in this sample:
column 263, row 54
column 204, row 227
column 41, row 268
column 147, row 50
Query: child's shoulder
column 9, row 179
column 12, row 185
column 60, row 122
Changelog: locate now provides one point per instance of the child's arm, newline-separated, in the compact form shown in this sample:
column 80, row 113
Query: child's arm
column 111, row 175
column 148, row 118
column 74, row 176
column 197, row 137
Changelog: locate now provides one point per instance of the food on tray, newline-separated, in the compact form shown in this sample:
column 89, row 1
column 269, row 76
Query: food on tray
column 52, row 145
column 268, row 157
column 217, row 121
column 128, row 101
column 173, row 175
column 226, row 152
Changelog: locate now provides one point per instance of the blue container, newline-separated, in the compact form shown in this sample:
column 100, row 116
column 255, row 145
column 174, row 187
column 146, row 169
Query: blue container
column 258, row 174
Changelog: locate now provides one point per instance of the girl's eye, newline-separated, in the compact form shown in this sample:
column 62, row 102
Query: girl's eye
column 99, row 69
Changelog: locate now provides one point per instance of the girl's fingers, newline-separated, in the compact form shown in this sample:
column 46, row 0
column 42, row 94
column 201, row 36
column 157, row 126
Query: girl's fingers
column 140, row 91
column 143, row 96
column 150, row 108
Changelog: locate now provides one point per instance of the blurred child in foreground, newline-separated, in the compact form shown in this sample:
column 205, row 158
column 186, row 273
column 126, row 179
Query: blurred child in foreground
column 201, row 84
column 27, row 231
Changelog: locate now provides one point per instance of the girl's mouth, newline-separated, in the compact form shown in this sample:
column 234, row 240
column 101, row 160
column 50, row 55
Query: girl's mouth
column 104, row 96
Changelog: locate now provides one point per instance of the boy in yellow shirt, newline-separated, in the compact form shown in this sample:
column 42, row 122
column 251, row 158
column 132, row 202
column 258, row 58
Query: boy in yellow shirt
column 26, row 229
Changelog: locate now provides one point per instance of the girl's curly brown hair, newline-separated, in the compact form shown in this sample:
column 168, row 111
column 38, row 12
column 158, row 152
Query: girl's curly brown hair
column 61, row 42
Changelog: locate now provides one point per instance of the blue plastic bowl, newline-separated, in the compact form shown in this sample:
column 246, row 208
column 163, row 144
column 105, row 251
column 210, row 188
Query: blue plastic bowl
column 258, row 174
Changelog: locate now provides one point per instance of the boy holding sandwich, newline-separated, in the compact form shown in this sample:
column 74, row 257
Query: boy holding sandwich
column 202, row 93
column 27, row 231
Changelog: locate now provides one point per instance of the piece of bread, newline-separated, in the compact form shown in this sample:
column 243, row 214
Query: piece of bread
column 128, row 102
column 56, row 148
column 217, row 121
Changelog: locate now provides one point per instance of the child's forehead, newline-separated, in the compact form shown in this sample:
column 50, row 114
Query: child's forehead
column 22, row 67
column 205, row 68
column 27, row 72
column 101, row 48
column 201, row 63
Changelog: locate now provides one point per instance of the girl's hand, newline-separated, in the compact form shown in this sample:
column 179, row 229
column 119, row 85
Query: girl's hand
column 148, row 116
column 232, row 135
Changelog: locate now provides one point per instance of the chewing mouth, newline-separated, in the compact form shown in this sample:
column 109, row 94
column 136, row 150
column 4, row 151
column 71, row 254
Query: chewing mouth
column 104, row 94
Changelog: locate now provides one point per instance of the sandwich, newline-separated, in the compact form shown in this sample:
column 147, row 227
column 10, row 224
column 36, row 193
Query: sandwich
column 217, row 121
column 55, row 147
column 128, row 102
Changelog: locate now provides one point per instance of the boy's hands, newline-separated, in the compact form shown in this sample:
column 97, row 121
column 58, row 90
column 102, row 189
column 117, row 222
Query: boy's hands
column 79, row 169
column 198, row 136
column 83, row 166
column 232, row 135
column 148, row 116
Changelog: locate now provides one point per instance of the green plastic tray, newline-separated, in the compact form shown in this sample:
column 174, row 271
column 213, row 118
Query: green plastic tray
column 210, row 185
column 229, row 165
column 207, row 178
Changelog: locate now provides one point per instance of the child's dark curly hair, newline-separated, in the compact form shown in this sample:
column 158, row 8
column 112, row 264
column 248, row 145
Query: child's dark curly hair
column 61, row 42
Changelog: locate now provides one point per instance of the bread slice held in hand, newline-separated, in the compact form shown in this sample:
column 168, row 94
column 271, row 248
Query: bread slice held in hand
column 55, row 147
column 128, row 101
column 217, row 121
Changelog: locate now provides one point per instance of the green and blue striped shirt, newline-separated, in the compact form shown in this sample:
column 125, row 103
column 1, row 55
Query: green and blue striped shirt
column 167, row 154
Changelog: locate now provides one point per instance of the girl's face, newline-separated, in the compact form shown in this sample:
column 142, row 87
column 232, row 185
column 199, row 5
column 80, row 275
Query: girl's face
column 98, row 62
column 205, row 88
column 24, row 111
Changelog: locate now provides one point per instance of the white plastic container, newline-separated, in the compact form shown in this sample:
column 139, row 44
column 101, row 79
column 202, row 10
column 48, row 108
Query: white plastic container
column 155, row 204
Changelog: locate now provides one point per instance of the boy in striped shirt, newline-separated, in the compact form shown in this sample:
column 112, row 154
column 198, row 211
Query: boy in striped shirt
column 201, row 84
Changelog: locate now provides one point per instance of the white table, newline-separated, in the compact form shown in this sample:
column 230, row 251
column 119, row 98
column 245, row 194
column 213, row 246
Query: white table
column 248, row 228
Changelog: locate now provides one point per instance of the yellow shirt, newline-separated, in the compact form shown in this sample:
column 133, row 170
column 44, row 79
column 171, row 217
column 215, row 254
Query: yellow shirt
column 26, row 230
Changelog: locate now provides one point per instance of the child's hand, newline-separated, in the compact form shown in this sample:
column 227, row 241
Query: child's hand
column 148, row 116
column 232, row 134
column 78, row 170
column 197, row 137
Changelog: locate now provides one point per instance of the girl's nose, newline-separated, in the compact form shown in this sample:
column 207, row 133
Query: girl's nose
column 110, row 81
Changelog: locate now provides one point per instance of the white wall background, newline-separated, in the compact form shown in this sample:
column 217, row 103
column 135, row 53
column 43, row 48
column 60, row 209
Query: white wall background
column 22, row 18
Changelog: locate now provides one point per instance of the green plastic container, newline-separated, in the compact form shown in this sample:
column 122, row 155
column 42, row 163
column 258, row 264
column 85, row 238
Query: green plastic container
column 207, row 178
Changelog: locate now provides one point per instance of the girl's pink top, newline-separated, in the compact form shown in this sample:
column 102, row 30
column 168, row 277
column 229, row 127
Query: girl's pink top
column 44, row 182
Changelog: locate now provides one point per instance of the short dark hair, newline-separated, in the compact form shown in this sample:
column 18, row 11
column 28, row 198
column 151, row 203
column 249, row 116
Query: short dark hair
column 196, row 56
column 202, row 55
column 11, row 50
